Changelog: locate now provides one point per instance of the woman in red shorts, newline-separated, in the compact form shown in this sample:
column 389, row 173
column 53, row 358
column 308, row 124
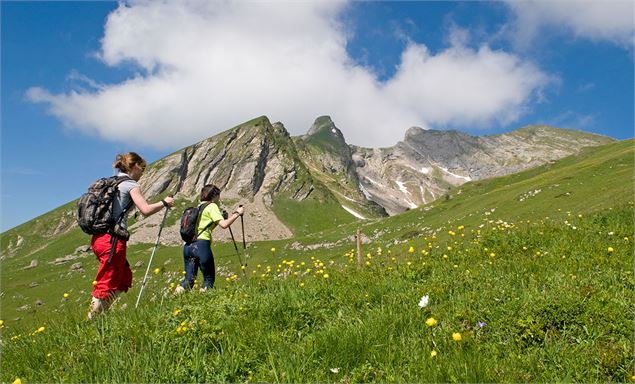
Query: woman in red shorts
column 114, row 275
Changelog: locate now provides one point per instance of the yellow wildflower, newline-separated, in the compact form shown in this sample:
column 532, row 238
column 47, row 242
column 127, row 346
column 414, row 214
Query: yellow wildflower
column 411, row 250
column 431, row 322
column 156, row 271
column 610, row 249
column 17, row 381
column 326, row 275
column 273, row 249
column 433, row 354
column 40, row 330
column 1, row 323
column 66, row 295
column 456, row 336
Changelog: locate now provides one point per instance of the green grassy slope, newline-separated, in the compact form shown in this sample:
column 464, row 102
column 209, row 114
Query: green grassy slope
column 528, row 307
column 599, row 178
column 527, row 254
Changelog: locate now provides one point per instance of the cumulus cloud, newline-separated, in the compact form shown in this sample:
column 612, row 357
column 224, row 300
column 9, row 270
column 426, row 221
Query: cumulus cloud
column 207, row 66
column 609, row 20
column 461, row 86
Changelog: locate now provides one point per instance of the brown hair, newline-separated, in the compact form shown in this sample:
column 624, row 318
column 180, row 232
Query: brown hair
column 126, row 162
column 209, row 192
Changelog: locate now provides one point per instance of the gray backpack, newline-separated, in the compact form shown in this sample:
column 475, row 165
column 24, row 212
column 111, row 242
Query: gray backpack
column 94, row 208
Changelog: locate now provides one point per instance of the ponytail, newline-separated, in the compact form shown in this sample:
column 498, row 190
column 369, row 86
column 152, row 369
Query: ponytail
column 125, row 162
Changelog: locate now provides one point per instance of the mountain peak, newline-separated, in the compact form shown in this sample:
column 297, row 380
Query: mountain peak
column 324, row 134
column 413, row 132
column 320, row 124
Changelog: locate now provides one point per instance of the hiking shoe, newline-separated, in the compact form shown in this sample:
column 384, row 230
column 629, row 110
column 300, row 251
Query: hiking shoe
column 179, row 290
column 96, row 307
column 203, row 290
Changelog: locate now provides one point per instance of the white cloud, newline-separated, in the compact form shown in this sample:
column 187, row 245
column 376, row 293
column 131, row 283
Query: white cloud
column 208, row 66
column 608, row 20
column 463, row 86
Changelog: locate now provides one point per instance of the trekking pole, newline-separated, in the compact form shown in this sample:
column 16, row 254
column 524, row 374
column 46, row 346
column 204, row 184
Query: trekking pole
column 145, row 278
column 242, row 226
column 237, row 253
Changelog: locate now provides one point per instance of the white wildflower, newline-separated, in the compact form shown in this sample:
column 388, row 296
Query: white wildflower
column 424, row 301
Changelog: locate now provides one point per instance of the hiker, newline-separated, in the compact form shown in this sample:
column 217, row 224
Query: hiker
column 114, row 275
column 198, row 253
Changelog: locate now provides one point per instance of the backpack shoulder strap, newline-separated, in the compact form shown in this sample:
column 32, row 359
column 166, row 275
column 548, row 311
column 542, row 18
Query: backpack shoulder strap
column 121, row 179
column 201, row 208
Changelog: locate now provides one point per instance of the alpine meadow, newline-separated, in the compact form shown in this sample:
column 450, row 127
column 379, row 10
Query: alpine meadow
column 317, row 191
column 521, row 273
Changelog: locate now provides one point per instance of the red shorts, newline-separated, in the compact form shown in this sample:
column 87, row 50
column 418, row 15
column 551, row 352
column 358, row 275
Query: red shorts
column 114, row 275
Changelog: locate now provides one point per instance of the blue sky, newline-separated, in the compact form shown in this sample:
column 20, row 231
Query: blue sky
column 83, row 81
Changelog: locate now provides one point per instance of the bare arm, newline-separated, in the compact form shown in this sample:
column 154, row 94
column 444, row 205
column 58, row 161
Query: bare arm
column 144, row 207
column 228, row 221
column 231, row 218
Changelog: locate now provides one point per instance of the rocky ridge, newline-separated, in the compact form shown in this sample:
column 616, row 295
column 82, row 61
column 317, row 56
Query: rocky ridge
column 428, row 163
column 260, row 165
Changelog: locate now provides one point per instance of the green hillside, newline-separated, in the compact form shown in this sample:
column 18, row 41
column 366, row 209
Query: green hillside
column 533, row 270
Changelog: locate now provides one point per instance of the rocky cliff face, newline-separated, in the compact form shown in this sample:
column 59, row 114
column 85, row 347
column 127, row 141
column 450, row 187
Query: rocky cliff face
column 327, row 156
column 253, row 164
column 427, row 163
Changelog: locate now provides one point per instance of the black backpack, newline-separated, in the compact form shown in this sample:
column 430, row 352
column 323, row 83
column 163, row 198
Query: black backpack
column 94, row 208
column 189, row 223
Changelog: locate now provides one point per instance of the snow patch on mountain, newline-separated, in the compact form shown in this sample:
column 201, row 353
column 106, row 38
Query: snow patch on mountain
column 466, row 178
column 353, row 213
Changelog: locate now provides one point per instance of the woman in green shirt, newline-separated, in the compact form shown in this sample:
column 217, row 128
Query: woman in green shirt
column 199, row 252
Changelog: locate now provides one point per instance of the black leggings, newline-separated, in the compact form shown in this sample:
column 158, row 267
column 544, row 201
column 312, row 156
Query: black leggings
column 195, row 255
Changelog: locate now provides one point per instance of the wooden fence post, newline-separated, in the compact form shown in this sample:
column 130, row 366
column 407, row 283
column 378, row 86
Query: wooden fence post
column 359, row 247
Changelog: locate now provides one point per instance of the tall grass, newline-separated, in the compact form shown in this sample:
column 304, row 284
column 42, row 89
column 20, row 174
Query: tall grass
column 542, row 301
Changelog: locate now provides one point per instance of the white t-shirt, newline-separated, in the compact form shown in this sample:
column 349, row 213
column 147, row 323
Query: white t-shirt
column 122, row 201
